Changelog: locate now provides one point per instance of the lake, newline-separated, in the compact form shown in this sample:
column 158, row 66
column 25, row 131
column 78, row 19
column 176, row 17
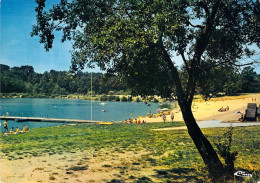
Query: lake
column 70, row 109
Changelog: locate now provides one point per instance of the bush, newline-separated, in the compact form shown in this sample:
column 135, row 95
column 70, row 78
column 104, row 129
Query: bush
column 224, row 150
column 103, row 98
column 130, row 99
column 111, row 98
column 117, row 98
column 155, row 100
column 123, row 99
column 138, row 99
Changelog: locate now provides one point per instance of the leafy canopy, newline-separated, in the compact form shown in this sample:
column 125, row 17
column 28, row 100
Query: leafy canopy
column 143, row 40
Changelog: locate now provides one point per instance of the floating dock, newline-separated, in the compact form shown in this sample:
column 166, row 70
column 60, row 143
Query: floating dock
column 54, row 120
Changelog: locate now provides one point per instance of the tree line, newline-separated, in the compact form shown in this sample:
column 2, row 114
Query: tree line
column 55, row 83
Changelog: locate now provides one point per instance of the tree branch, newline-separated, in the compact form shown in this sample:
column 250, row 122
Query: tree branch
column 196, row 26
column 174, row 73
column 184, row 60
column 206, row 9
column 241, row 65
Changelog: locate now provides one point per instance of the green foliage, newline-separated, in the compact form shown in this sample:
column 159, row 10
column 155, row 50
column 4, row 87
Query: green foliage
column 123, row 99
column 111, row 98
column 130, row 99
column 224, row 150
column 117, row 98
column 138, row 99
column 155, row 100
column 141, row 37
column 103, row 98
column 250, row 80
column 111, row 92
column 55, row 83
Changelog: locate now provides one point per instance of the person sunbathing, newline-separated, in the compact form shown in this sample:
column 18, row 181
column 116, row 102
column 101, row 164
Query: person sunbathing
column 12, row 130
column 25, row 128
column 17, row 130
column 221, row 109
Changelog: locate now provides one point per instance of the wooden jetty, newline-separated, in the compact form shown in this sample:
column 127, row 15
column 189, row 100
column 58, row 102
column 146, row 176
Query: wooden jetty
column 55, row 120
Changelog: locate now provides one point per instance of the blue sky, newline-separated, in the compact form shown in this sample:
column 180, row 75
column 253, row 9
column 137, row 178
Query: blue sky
column 18, row 48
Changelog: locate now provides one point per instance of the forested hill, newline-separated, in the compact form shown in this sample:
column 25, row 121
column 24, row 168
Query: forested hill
column 54, row 83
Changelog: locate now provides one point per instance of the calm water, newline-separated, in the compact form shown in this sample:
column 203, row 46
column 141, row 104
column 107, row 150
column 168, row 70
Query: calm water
column 70, row 109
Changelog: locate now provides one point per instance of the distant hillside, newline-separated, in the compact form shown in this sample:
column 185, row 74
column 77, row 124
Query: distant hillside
column 54, row 83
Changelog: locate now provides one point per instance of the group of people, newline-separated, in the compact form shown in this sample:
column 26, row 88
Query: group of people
column 16, row 131
column 139, row 121
column 136, row 121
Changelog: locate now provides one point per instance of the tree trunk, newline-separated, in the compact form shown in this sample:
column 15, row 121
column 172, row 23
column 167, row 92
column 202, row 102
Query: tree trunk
column 207, row 152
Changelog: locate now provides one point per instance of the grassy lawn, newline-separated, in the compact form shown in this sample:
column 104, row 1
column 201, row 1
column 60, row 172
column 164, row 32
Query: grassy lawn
column 171, row 154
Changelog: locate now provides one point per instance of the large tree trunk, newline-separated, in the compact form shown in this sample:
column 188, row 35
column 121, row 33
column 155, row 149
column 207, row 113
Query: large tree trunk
column 207, row 152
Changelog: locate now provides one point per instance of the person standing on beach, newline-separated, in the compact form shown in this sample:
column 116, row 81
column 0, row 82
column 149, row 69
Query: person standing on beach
column 172, row 117
column 164, row 118
column 5, row 127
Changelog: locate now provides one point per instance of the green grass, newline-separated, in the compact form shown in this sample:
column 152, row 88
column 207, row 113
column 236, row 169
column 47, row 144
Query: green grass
column 171, row 153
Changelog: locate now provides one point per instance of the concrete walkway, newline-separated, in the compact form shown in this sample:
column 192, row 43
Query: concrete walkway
column 212, row 124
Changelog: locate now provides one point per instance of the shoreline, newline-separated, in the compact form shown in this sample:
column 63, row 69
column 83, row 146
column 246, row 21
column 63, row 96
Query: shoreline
column 204, row 110
column 208, row 110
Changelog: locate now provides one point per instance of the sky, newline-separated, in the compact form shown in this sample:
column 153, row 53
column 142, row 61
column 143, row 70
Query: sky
column 18, row 48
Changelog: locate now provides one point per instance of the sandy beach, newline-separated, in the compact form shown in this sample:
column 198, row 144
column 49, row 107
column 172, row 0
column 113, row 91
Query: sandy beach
column 69, row 167
column 208, row 110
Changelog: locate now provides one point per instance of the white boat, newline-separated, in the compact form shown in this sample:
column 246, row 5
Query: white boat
column 102, row 103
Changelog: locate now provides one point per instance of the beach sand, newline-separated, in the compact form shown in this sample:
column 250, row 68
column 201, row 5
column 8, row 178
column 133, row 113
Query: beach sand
column 208, row 110
column 85, row 167
column 73, row 167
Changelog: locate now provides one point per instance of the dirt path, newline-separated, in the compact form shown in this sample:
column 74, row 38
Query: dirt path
column 101, row 166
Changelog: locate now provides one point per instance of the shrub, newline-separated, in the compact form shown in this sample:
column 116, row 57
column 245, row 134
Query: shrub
column 103, row 98
column 130, row 99
column 123, row 99
column 224, row 150
column 155, row 100
column 111, row 98
column 117, row 98
column 138, row 99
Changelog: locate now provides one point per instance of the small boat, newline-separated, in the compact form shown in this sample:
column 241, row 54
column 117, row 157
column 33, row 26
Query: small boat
column 102, row 103
column 105, row 123
column 104, row 111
